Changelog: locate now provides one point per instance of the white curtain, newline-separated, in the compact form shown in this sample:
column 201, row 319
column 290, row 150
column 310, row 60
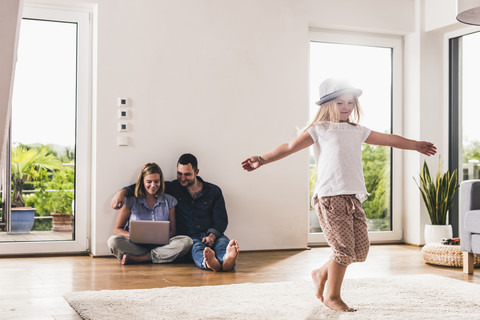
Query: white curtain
column 10, row 17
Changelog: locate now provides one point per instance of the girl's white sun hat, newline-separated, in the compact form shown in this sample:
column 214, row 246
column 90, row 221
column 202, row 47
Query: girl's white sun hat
column 331, row 89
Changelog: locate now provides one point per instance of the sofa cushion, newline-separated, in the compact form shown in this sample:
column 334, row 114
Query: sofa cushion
column 475, row 196
column 476, row 243
column 472, row 221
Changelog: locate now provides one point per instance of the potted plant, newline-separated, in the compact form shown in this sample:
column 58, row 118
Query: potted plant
column 60, row 201
column 437, row 196
column 27, row 165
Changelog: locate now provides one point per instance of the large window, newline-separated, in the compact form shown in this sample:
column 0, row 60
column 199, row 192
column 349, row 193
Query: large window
column 368, row 63
column 464, row 141
column 470, row 107
column 43, row 194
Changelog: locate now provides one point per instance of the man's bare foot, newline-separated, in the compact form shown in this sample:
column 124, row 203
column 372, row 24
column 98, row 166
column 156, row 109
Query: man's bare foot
column 337, row 304
column 320, row 277
column 231, row 256
column 210, row 260
column 129, row 259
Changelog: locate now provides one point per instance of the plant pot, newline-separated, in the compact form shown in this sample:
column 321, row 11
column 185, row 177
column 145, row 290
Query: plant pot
column 435, row 233
column 22, row 220
column 61, row 222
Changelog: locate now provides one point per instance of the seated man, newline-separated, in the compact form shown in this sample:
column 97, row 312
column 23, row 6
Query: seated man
column 200, row 214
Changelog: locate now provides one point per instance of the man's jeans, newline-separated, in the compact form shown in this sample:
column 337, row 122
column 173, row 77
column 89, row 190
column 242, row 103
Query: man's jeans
column 219, row 246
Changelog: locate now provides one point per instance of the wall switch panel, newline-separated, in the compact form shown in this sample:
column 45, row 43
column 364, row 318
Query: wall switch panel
column 122, row 140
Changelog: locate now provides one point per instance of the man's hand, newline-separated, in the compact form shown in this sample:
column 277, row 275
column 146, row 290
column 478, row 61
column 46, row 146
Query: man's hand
column 209, row 240
column 118, row 199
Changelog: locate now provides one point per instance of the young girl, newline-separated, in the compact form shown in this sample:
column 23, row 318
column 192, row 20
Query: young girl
column 340, row 187
column 149, row 203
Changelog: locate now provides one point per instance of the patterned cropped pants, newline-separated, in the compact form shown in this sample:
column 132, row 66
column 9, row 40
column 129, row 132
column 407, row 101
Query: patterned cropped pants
column 344, row 225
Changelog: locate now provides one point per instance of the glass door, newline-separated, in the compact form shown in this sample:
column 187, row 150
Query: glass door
column 45, row 162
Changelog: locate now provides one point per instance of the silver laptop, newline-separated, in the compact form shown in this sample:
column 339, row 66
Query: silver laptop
column 151, row 232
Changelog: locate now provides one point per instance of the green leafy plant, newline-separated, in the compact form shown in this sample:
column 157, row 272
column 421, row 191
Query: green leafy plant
column 29, row 165
column 437, row 194
column 59, row 199
column 376, row 170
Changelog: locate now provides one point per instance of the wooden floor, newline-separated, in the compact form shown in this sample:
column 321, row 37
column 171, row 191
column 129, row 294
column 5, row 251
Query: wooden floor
column 32, row 288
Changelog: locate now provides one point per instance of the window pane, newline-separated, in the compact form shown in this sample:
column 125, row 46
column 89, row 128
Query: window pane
column 470, row 111
column 370, row 69
column 43, row 130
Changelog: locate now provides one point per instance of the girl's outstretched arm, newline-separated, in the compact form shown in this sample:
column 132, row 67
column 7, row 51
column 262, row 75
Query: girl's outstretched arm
column 301, row 142
column 393, row 140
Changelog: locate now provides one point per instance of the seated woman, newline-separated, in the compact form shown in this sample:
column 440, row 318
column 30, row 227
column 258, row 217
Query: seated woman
column 149, row 203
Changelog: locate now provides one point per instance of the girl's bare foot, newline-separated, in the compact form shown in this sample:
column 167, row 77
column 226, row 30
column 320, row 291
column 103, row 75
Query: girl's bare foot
column 337, row 304
column 320, row 277
column 231, row 256
column 129, row 259
column 210, row 260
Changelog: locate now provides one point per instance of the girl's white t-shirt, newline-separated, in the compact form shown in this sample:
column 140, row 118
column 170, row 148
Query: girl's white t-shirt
column 338, row 153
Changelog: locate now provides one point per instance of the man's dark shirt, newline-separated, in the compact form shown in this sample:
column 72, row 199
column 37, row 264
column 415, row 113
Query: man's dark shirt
column 204, row 214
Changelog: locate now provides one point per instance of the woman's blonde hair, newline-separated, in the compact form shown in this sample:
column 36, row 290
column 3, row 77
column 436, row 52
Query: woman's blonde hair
column 149, row 168
column 328, row 112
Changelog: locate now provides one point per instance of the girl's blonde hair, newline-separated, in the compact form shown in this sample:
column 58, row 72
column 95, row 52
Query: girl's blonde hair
column 328, row 112
column 149, row 168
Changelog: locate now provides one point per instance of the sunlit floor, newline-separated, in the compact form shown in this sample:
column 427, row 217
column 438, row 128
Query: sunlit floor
column 33, row 287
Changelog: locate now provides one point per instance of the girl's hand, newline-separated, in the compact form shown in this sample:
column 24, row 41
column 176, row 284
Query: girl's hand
column 426, row 148
column 252, row 163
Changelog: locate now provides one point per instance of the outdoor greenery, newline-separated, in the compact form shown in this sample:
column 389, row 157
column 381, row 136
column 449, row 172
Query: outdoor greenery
column 376, row 170
column 471, row 151
column 30, row 164
column 437, row 194
column 47, row 181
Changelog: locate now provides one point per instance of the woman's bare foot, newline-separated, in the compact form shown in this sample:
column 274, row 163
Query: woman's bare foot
column 231, row 256
column 210, row 260
column 337, row 304
column 129, row 259
column 320, row 277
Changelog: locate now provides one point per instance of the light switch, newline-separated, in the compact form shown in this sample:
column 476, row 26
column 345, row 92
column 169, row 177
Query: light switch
column 122, row 127
column 123, row 102
column 123, row 114
column 122, row 140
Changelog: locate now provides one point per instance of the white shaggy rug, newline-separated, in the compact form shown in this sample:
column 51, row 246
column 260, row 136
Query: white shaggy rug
column 404, row 297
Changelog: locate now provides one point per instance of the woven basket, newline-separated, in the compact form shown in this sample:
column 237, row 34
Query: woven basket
column 446, row 255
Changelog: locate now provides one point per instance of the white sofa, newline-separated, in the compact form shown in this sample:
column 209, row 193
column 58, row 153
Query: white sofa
column 469, row 222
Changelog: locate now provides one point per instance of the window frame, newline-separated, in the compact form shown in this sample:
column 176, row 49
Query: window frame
column 396, row 44
column 83, row 17
column 452, row 84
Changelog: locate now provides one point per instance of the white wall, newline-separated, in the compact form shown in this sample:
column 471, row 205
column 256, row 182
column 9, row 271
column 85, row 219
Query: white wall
column 426, row 99
column 224, row 80
column 389, row 17
column 221, row 79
